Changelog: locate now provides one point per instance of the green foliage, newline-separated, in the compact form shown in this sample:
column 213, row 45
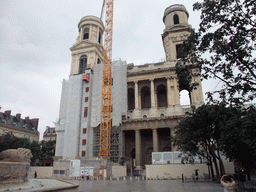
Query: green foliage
column 35, row 150
column 8, row 141
column 238, row 140
column 221, row 129
column 225, row 47
column 48, row 149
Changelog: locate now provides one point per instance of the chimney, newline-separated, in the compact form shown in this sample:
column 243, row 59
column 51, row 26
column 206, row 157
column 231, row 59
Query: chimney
column 27, row 119
column 8, row 113
column 35, row 122
column 18, row 115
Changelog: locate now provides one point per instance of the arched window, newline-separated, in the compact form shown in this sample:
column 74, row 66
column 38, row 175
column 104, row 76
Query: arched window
column 99, row 40
column 133, row 154
column 86, row 33
column 82, row 64
column 161, row 96
column 145, row 98
column 176, row 19
column 98, row 61
column 185, row 97
column 131, row 103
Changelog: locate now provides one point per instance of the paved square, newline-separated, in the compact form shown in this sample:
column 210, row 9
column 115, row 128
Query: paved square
column 146, row 186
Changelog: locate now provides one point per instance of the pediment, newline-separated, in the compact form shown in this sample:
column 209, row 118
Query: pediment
column 178, row 27
column 85, row 45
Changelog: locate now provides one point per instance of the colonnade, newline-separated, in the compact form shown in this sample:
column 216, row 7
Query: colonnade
column 138, row 145
column 172, row 93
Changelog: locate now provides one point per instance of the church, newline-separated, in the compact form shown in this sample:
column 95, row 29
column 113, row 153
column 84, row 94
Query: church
column 145, row 98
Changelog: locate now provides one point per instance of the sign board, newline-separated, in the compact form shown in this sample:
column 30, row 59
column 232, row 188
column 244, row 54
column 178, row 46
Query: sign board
column 75, row 168
column 175, row 157
column 86, row 171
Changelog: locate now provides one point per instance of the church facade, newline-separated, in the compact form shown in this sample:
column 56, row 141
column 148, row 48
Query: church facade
column 145, row 98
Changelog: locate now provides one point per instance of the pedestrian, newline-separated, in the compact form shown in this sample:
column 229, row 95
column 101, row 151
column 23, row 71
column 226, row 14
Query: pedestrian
column 35, row 174
column 228, row 183
column 82, row 176
column 196, row 173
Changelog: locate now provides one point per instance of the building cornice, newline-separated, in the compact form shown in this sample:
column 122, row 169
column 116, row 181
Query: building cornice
column 19, row 129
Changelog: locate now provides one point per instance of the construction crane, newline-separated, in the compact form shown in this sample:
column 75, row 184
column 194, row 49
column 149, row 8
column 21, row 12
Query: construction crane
column 106, row 93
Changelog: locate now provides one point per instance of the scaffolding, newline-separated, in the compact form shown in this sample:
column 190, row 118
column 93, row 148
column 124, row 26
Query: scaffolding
column 115, row 147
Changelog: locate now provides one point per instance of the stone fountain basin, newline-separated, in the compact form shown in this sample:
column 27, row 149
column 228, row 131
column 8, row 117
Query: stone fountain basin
column 39, row 185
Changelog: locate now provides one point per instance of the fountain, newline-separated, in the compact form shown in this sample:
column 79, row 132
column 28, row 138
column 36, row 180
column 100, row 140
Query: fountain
column 14, row 174
column 14, row 165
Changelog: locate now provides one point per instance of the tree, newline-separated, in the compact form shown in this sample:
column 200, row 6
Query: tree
column 238, row 140
column 199, row 134
column 216, row 129
column 8, row 141
column 36, row 152
column 48, row 149
column 225, row 47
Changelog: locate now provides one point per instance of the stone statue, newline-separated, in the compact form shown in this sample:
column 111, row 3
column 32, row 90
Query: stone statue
column 16, row 155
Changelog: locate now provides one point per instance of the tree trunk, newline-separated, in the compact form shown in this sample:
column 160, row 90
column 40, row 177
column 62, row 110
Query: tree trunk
column 222, row 168
column 215, row 164
column 212, row 172
column 248, row 172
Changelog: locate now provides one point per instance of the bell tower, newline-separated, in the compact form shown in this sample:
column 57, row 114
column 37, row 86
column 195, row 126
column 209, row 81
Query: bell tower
column 88, row 49
column 176, row 30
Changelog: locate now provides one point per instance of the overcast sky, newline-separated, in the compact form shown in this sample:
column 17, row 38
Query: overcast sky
column 35, row 37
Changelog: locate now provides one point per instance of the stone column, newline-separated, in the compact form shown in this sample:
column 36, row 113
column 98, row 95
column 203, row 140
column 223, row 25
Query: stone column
column 152, row 90
column 136, row 95
column 172, row 133
column 169, row 96
column 138, row 149
column 155, row 141
column 197, row 94
column 123, row 144
column 176, row 92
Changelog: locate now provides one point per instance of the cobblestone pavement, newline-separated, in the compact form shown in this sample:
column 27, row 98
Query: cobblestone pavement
column 146, row 185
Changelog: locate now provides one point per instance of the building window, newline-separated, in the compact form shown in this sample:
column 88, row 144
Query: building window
column 56, row 171
column 86, row 33
column 161, row 96
column 85, row 111
column 86, row 99
column 145, row 97
column 84, row 130
column 98, row 61
column 99, row 40
column 131, row 99
column 84, row 142
column 62, row 172
column 82, row 64
column 87, row 89
column 176, row 19
column 178, row 51
column 83, row 153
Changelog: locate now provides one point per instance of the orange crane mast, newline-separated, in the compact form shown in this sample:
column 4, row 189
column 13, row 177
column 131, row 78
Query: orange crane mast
column 106, row 93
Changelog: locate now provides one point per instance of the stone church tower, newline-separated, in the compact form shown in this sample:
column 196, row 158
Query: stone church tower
column 88, row 49
column 176, row 30
column 80, row 106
